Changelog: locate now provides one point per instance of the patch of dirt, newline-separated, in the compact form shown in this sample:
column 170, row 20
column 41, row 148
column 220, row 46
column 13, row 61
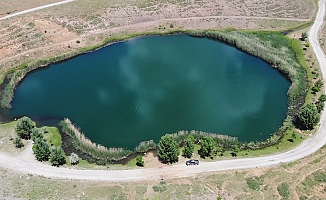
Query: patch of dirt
column 151, row 160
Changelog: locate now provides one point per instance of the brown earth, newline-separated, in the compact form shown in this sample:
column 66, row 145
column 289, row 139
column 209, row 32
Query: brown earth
column 55, row 30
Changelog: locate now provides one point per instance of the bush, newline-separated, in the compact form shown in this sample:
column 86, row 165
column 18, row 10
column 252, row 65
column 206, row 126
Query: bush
column 283, row 189
column 73, row 158
column 139, row 161
column 41, row 150
column 320, row 176
column 253, row 183
column 58, row 156
column 322, row 98
column 24, row 128
column 18, row 142
column 308, row 116
column 159, row 188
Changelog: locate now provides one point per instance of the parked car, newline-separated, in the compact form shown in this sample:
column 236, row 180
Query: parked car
column 192, row 162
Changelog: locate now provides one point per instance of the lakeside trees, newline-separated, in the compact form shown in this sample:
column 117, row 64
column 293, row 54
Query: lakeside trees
column 24, row 128
column 168, row 149
column 189, row 146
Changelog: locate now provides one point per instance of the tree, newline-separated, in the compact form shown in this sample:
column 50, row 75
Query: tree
column 73, row 158
column 41, row 150
column 304, row 35
column 58, row 156
column 207, row 146
column 308, row 116
column 24, row 127
column 18, row 142
column 189, row 147
column 168, row 150
column 36, row 134
column 139, row 161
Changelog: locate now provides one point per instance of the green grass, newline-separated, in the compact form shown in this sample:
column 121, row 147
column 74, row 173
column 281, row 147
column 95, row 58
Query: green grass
column 52, row 136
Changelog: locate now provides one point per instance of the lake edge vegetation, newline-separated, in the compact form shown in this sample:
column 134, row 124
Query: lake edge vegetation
column 270, row 46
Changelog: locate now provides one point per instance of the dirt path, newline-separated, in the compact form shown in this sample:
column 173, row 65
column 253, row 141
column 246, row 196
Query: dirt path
column 308, row 147
column 34, row 9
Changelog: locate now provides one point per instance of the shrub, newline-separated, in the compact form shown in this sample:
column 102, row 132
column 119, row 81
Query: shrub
column 18, row 142
column 41, row 150
column 73, row 158
column 320, row 176
column 322, row 98
column 159, row 188
column 24, row 128
column 139, row 161
column 57, row 156
column 308, row 116
column 283, row 189
column 253, row 183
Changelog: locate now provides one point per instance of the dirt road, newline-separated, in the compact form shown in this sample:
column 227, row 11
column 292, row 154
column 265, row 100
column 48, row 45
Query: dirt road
column 308, row 147
column 34, row 9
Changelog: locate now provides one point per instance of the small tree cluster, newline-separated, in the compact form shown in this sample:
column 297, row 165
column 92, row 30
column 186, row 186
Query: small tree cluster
column 304, row 36
column 24, row 128
column 168, row 149
column 308, row 116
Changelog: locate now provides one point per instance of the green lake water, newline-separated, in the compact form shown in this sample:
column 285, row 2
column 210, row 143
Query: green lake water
column 143, row 88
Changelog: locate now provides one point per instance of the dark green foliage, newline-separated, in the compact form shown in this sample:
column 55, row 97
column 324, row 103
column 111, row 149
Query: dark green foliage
column 304, row 35
column 189, row 147
column 283, row 189
column 315, row 89
column 320, row 176
column 36, row 134
column 18, row 142
column 308, row 116
column 319, row 106
column 57, row 156
column 41, row 150
column 139, row 161
column 322, row 98
column 24, row 128
column 168, row 149
column 254, row 183
column 159, row 188
column 319, row 84
column 207, row 146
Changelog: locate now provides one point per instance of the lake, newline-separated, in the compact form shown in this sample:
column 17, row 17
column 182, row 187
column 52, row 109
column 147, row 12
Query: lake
column 142, row 88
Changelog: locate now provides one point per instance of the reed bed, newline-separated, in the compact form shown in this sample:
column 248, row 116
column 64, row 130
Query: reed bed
column 84, row 144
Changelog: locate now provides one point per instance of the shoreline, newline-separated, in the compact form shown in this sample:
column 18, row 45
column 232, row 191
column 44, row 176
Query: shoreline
column 109, row 41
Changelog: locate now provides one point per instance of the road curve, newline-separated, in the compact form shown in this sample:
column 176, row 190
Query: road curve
column 34, row 9
column 307, row 147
